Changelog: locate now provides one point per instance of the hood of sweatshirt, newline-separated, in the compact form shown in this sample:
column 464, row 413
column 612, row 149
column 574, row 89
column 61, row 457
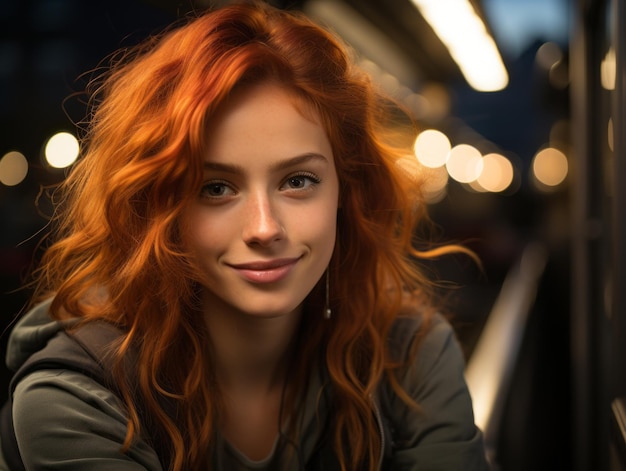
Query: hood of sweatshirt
column 31, row 333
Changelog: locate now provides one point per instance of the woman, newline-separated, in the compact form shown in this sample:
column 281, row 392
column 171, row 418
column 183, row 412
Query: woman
column 240, row 222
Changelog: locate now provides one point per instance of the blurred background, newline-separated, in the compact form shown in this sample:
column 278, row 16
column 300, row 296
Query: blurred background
column 520, row 107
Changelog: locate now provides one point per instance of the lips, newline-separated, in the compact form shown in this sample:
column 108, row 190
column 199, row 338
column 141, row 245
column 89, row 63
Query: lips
column 265, row 271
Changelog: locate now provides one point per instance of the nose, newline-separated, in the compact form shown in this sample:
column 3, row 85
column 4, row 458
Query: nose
column 261, row 226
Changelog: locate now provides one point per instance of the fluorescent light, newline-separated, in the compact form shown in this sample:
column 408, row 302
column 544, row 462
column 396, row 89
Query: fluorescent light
column 464, row 34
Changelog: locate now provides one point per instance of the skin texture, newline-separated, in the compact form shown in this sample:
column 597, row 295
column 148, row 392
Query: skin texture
column 263, row 229
column 270, row 193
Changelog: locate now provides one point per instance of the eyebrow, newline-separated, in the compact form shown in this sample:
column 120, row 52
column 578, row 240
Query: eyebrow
column 283, row 164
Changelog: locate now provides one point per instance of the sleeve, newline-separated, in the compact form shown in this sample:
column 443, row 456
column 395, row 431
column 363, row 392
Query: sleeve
column 65, row 420
column 440, row 434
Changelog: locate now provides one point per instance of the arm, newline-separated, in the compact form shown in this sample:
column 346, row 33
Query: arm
column 440, row 435
column 65, row 420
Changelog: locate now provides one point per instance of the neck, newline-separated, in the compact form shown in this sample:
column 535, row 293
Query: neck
column 251, row 352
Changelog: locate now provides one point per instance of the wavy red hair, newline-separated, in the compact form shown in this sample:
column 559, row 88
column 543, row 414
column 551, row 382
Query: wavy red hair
column 119, row 254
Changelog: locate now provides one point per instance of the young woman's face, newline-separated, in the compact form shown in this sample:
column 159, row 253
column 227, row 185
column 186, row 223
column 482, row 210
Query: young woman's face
column 264, row 223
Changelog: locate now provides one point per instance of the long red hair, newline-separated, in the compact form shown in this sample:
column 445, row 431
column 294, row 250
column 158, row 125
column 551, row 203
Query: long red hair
column 119, row 254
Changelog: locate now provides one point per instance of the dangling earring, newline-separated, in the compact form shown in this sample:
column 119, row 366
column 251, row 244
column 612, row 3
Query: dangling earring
column 327, row 310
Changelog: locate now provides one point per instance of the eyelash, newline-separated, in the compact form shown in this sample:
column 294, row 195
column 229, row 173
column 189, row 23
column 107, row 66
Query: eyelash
column 315, row 180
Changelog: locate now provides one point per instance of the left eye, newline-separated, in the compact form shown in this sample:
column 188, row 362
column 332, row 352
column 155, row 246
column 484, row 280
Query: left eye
column 300, row 182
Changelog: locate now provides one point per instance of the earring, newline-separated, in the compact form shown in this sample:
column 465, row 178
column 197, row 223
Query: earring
column 327, row 310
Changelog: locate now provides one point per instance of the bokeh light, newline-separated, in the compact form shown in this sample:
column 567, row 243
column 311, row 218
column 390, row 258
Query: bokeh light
column 497, row 173
column 13, row 168
column 465, row 163
column 548, row 55
column 608, row 70
column 61, row 150
column 432, row 182
column 435, row 184
column 550, row 167
column 432, row 148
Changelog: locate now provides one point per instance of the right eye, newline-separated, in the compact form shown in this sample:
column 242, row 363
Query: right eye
column 216, row 190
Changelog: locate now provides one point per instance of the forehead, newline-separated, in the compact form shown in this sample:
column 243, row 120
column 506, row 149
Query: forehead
column 265, row 119
column 267, row 93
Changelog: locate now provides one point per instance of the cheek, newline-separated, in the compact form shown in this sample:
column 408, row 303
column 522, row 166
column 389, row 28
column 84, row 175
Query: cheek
column 199, row 234
column 189, row 227
column 322, row 227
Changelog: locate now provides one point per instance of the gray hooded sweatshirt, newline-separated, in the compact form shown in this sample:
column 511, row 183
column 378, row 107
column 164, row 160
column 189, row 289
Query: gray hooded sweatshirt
column 65, row 420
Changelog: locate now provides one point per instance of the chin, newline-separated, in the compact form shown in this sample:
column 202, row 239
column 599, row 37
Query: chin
column 270, row 312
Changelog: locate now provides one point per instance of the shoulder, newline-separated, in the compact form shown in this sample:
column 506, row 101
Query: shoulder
column 63, row 418
column 428, row 349
column 41, row 392
column 438, row 430
column 65, row 411
column 433, row 336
